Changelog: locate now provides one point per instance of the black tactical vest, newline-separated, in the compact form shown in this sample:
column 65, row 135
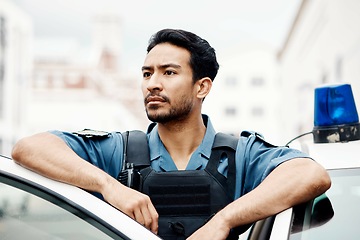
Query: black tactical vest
column 184, row 200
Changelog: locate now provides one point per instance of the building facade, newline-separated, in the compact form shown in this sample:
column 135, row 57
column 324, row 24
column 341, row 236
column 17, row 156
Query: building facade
column 245, row 94
column 16, row 35
column 322, row 47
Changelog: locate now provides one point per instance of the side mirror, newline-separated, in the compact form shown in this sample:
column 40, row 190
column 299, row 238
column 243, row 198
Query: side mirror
column 322, row 211
column 312, row 214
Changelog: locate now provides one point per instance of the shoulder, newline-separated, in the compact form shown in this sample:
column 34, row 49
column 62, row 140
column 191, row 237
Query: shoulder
column 252, row 137
column 103, row 149
column 254, row 144
column 90, row 133
column 87, row 138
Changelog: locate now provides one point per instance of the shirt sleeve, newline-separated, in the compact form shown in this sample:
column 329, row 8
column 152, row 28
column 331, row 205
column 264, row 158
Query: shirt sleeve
column 103, row 152
column 256, row 158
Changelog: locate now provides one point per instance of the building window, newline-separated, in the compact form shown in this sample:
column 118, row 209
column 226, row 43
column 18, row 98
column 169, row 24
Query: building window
column 40, row 81
column 230, row 111
column 2, row 63
column 257, row 111
column 2, row 33
column 339, row 69
column 257, row 81
column 57, row 79
column 231, row 81
column 324, row 78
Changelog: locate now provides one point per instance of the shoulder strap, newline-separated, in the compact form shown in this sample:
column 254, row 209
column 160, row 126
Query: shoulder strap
column 224, row 144
column 136, row 149
column 225, row 140
column 136, row 156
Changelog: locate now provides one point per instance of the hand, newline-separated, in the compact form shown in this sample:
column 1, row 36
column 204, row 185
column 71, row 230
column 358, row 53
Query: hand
column 215, row 229
column 133, row 203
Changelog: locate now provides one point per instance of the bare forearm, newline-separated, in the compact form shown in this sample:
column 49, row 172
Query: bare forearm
column 49, row 155
column 293, row 182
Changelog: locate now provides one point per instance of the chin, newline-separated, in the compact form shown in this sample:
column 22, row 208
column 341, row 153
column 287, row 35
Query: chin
column 154, row 115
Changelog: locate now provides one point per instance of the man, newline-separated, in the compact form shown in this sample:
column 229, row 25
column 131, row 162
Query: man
column 177, row 75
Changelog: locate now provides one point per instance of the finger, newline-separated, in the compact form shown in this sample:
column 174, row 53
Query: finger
column 150, row 218
column 147, row 218
column 131, row 214
column 154, row 218
column 139, row 216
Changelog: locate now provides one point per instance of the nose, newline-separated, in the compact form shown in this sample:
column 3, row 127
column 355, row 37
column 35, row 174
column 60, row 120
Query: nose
column 154, row 83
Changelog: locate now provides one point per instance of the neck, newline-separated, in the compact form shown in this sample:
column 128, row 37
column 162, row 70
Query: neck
column 182, row 138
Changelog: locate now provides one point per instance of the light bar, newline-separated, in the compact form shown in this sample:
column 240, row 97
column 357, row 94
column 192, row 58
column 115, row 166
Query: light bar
column 335, row 115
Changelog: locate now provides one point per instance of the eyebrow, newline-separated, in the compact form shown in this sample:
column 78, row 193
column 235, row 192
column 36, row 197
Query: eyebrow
column 173, row 65
column 146, row 68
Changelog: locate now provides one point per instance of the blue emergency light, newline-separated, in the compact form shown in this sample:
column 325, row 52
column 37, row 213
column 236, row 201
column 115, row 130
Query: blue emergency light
column 335, row 115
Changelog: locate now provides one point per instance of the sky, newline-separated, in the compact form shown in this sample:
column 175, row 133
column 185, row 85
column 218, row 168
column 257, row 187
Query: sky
column 224, row 23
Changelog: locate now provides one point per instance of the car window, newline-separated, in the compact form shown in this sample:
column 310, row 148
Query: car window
column 28, row 213
column 334, row 215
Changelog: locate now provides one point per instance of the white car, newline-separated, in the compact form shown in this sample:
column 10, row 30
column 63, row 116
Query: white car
column 35, row 207
column 336, row 146
column 334, row 215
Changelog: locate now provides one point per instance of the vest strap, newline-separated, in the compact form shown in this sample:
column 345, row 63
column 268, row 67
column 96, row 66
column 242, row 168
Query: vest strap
column 224, row 146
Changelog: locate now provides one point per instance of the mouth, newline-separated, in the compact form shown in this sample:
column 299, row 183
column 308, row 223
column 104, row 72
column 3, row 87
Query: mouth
column 153, row 100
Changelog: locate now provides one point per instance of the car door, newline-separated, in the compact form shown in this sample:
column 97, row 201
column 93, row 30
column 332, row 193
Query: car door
column 35, row 207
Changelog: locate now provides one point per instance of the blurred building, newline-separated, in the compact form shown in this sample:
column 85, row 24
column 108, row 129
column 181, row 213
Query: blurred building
column 75, row 88
column 59, row 84
column 272, row 92
column 258, row 87
column 16, row 36
column 246, row 92
column 322, row 47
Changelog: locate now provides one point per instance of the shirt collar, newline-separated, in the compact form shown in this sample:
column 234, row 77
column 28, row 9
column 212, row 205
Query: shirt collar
column 208, row 140
column 197, row 160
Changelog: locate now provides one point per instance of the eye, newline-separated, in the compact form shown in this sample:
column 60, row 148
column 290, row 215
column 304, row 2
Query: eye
column 146, row 74
column 169, row 72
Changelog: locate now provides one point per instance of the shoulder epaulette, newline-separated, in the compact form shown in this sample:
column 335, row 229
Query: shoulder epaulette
column 89, row 133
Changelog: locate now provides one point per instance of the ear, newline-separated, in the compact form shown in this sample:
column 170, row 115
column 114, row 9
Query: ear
column 203, row 87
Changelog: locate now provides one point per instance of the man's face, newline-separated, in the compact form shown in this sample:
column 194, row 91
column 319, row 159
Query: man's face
column 167, row 83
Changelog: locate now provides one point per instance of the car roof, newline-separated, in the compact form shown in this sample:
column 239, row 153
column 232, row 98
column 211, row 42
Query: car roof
column 79, row 197
column 338, row 155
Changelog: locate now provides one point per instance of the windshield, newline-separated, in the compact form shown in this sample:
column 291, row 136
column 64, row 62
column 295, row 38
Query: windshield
column 334, row 215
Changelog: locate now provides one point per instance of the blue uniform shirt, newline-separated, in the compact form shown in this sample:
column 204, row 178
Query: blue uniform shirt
column 255, row 158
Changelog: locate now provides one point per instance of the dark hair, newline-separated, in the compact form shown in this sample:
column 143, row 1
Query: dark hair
column 202, row 56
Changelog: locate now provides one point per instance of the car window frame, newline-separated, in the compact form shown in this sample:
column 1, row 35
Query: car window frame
column 62, row 202
column 304, row 209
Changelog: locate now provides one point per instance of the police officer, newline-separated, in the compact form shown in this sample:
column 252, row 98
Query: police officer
column 178, row 72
